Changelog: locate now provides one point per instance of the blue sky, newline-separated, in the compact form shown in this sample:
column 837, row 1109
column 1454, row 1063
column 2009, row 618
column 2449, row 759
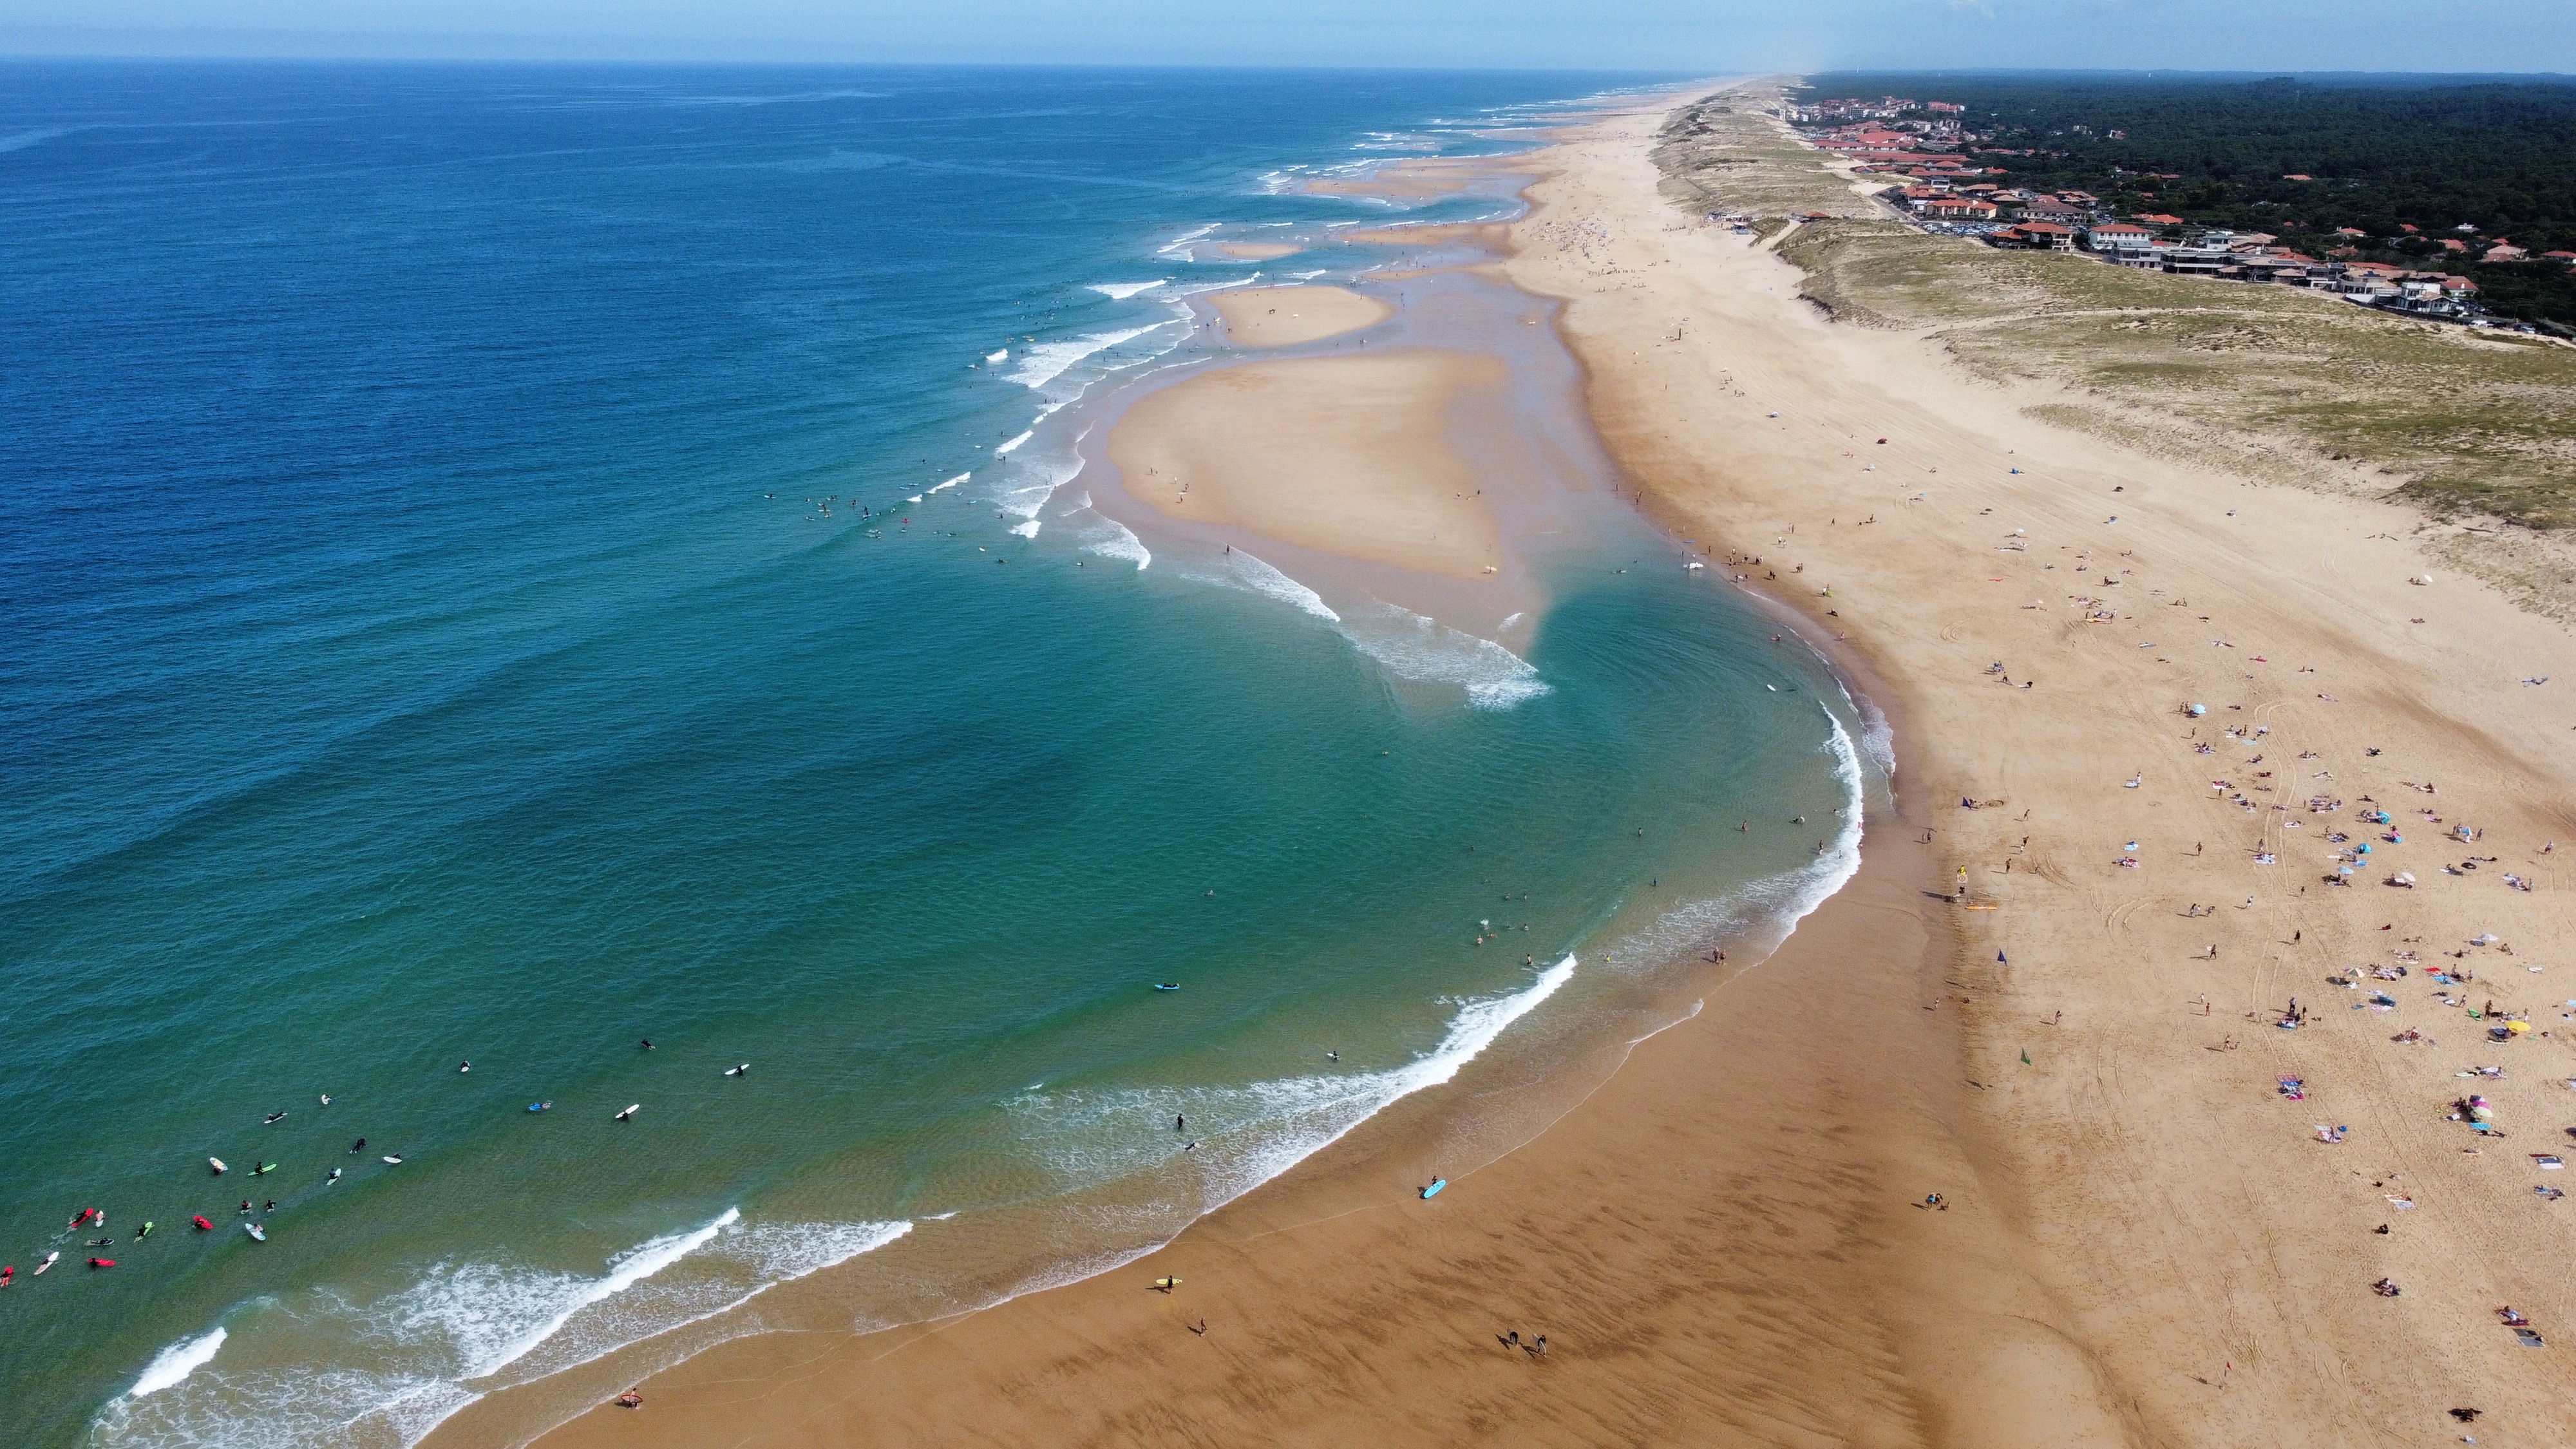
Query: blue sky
column 1712, row 36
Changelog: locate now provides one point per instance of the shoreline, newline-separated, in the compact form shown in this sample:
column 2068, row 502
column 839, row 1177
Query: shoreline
column 1727, row 1236
column 1569, row 1079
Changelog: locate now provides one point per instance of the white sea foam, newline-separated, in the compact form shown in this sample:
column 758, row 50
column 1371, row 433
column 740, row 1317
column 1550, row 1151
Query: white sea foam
column 1045, row 362
column 1124, row 290
column 953, row 482
column 998, row 356
column 172, row 1365
column 624, row 1272
column 419, row 1355
column 1238, row 569
column 1252, row 1133
column 1416, row 647
column 1182, row 242
column 1117, row 540
column 1026, row 528
column 1777, row 902
column 1013, row 444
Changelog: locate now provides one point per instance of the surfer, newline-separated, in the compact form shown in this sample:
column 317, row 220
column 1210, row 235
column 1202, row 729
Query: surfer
column 50, row 1260
column 326, row 1099
column 645, row 1045
column 394, row 1158
column 272, row 1206
column 334, row 1177
column 102, row 1262
column 539, row 1106
column 143, row 1232
column 245, row 1207
column 8, row 1274
column 1332, row 1056
column 738, row 1071
column 1193, row 1147
column 464, row 1066
column 274, row 1117
column 358, row 1147
column 630, row 1112
column 202, row 1225
column 1179, row 1122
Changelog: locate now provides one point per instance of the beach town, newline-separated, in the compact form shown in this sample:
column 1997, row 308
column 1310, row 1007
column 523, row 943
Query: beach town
column 1925, row 169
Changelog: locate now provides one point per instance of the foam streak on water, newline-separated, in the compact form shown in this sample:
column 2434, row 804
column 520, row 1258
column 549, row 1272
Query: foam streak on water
column 1420, row 648
column 1254, row 1132
column 1241, row 570
column 172, row 1365
column 1776, row 904
column 414, row 1359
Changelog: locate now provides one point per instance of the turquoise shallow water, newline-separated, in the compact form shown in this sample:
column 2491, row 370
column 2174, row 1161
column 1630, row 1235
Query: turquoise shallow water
column 425, row 644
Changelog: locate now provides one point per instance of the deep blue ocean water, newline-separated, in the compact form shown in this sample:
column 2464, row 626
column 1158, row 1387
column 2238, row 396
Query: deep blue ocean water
column 421, row 642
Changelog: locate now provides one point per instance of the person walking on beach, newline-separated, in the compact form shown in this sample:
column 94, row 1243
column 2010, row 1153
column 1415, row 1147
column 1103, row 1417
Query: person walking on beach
column 1179, row 1122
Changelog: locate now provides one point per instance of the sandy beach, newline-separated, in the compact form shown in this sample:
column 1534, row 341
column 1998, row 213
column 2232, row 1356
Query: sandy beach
column 1287, row 316
column 2054, row 996
column 1258, row 251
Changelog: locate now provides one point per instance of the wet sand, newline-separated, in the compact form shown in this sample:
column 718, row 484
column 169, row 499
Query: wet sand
column 1258, row 251
column 1287, row 316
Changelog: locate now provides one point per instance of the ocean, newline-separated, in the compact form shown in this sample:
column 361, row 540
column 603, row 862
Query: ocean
column 503, row 564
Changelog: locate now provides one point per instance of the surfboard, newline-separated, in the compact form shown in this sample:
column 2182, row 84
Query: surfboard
column 217, row 1164
column 630, row 1112
column 258, row 1233
column 393, row 1159
column 1433, row 1190
column 1167, row 1284
column 1167, row 986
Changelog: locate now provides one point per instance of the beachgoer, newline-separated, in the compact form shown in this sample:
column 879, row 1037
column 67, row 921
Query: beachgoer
column 464, row 1066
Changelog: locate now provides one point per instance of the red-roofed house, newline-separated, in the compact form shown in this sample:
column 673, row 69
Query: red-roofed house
column 2038, row 236
column 2158, row 218
column 1959, row 208
column 2294, row 176
column 2504, row 252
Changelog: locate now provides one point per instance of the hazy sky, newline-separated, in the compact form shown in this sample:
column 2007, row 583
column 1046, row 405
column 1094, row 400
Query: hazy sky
column 1709, row 36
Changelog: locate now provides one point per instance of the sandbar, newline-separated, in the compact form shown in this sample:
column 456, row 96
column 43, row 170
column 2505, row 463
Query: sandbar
column 1286, row 316
column 1258, row 251
column 1350, row 455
